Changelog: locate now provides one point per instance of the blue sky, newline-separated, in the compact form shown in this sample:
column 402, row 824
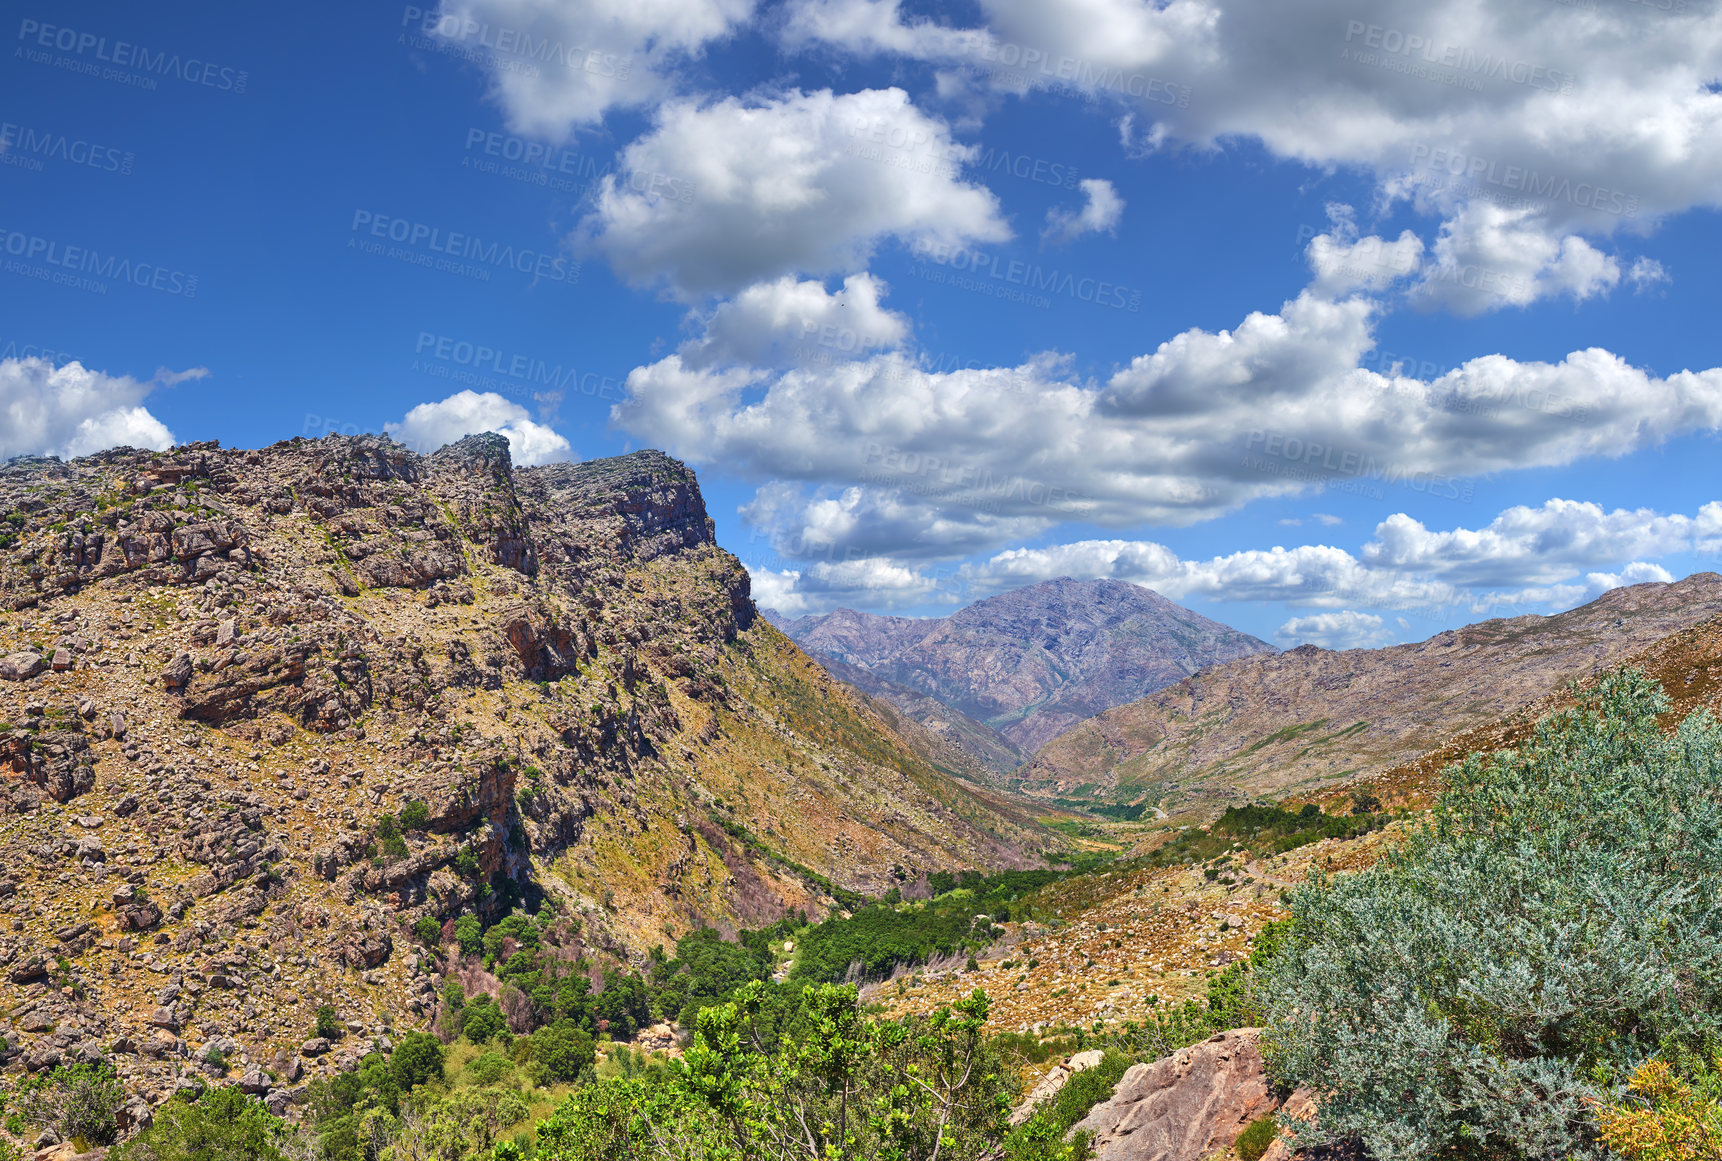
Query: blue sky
column 1341, row 324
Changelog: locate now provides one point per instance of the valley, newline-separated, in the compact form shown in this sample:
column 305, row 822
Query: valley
column 327, row 749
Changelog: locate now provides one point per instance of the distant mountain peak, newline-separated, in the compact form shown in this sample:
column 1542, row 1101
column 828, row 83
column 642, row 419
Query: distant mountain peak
column 1032, row 662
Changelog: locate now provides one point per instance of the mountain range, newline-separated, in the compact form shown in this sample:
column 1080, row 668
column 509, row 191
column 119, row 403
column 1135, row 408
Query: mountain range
column 1298, row 721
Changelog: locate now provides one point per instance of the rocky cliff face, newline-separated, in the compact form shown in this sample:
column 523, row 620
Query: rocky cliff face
column 1031, row 663
column 1309, row 717
column 263, row 710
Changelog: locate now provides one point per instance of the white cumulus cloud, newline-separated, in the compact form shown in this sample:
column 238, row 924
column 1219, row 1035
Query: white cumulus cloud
column 430, row 426
column 786, row 321
column 1101, row 211
column 557, row 65
column 1342, row 630
column 70, row 411
column 922, row 461
column 801, row 183
column 1532, row 131
column 1554, row 556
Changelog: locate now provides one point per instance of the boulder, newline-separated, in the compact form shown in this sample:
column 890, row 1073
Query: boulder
column 1300, row 1106
column 178, row 672
column 1053, row 1083
column 1187, row 1106
column 21, row 666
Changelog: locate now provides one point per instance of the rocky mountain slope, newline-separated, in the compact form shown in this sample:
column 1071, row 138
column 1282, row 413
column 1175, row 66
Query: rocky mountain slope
column 1027, row 664
column 1687, row 664
column 1303, row 719
column 265, row 710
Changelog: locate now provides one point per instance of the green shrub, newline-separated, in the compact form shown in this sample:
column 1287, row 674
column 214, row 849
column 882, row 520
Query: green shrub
column 428, row 931
column 469, row 933
column 414, row 815
column 489, row 1068
column 328, row 1026
column 1256, row 1138
column 79, row 1101
column 559, row 1052
column 416, row 1059
column 482, row 1019
column 222, row 1125
column 1483, row 989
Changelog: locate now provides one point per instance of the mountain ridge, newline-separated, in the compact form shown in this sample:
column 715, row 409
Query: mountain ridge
column 1030, row 663
column 265, row 710
column 1297, row 721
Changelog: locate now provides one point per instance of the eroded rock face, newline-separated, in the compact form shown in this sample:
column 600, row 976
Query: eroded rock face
column 316, row 694
column 1187, row 1106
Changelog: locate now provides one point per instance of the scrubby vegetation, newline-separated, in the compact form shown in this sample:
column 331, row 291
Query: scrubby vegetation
column 1499, row 978
column 890, row 934
column 1533, row 973
column 1266, row 830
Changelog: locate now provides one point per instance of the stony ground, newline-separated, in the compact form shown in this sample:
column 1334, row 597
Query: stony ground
column 1122, row 937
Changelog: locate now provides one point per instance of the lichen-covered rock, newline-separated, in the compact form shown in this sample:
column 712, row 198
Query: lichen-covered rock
column 1184, row 1107
column 21, row 666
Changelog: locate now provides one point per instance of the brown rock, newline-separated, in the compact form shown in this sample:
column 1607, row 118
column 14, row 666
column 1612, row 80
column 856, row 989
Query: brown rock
column 21, row 666
column 1187, row 1106
column 178, row 672
column 1053, row 1083
column 1300, row 1106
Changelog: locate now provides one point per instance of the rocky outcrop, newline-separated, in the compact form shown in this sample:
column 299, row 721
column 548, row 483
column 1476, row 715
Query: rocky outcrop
column 1054, row 1081
column 1184, row 1107
column 1033, row 662
column 310, row 701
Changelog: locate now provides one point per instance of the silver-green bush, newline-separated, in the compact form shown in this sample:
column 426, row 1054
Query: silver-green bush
column 1557, row 917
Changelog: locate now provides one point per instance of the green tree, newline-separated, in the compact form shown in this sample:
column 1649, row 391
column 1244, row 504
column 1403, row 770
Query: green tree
column 841, row 1087
column 328, row 1027
column 482, row 1019
column 415, row 1060
column 222, row 1125
column 469, row 933
column 559, row 1052
column 1485, row 987
column 77, row 1101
